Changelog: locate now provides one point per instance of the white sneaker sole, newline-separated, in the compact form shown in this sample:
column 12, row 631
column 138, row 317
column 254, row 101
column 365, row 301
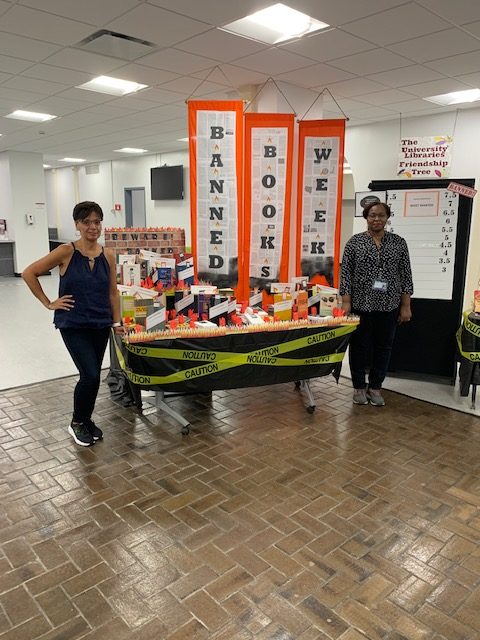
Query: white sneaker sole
column 82, row 444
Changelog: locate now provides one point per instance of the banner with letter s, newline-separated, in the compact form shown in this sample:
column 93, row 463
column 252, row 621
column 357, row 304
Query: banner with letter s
column 268, row 190
column 216, row 188
column 319, row 199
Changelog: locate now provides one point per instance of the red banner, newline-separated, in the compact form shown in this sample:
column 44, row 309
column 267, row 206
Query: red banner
column 319, row 199
column 216, row 188
column 268, row 191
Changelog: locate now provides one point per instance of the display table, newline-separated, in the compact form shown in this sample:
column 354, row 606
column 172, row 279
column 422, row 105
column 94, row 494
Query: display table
column 231, row 361
column 468, row 341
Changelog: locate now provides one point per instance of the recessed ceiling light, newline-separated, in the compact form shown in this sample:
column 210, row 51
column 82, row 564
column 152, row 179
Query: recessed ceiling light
column 182, row 139
column 112, row 86
column 130, row 150
column 455, row 97
column 72, row 160
column 275, row 24
column 30, row 116
column 47, row 166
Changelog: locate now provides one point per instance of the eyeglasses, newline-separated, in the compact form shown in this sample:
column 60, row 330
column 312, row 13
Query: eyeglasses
column 380, row 216
column 91, row 223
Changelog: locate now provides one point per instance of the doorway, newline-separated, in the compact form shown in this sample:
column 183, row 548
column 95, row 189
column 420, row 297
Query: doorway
column 135, row 215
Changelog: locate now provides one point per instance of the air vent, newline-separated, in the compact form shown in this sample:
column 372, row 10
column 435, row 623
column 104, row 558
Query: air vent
column 92, row 169
column 116, row 45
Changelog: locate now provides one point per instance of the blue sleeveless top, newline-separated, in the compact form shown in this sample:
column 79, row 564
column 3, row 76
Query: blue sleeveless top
column 90, row 289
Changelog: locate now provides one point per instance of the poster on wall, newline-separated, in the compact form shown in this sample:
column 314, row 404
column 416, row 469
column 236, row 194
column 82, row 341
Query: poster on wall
column 319, row 204
column 425, row 157
column 427, row 219
column 216, row 157
column 364, row 198
column 268, row 189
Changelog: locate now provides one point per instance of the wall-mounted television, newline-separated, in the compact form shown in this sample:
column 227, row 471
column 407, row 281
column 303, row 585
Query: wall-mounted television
column 167, row 182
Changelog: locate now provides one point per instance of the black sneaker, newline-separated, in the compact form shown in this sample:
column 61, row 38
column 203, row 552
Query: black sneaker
column 93, row 429
column 80, row 434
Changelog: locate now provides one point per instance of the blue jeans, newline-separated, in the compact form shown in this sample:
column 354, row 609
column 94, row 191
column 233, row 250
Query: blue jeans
column 86, row 347
column 371, row 346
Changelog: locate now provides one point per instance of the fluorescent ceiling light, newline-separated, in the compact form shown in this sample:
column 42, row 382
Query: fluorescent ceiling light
column 30, row 116
column 47, row 166
column 182, row 139
column 130, row 150
column 72, row 160
column 455, row 97
column 112, row 86
column 275, row 24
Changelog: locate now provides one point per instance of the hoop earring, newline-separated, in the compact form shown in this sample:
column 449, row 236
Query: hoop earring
column 77, row 233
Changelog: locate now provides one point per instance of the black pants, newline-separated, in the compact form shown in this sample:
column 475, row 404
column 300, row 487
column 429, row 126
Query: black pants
column 371, row 346
column 87, row 347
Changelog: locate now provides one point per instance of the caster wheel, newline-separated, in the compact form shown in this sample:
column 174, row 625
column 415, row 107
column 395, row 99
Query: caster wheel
column 186, row 430
column 310, row 409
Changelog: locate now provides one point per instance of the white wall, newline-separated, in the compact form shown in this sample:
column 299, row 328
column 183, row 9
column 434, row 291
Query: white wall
column 372, row 152
column 6, row 209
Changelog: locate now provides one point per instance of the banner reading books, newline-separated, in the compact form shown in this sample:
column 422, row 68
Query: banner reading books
column 216, row 157
column 319, row 199
column 268, row 190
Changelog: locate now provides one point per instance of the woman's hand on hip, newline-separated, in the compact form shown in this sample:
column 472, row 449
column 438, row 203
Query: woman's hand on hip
column 65, row 303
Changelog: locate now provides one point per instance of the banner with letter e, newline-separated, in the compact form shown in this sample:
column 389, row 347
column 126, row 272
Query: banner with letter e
column 215, row 130
column 268, row 191
column 319, row 199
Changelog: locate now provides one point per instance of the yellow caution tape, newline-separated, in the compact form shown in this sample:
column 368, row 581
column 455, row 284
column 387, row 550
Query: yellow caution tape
column 473, row 356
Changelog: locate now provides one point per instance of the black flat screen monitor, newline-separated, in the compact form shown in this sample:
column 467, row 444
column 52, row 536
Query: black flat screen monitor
column 167, row 182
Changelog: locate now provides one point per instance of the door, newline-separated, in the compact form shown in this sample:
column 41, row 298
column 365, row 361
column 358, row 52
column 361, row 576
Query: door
column 135, row 215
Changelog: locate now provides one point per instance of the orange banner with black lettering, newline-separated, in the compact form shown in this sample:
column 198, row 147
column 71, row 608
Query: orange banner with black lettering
column 215, row 130
column 319, row 199
column 268, row 192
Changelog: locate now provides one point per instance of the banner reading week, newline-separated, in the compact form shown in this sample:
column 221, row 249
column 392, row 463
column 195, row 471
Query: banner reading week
column 216, row 156
column 268, row 189
column 319, row 199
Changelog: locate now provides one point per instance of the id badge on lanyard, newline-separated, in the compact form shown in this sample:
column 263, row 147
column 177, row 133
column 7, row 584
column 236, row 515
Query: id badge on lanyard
column 380, row 284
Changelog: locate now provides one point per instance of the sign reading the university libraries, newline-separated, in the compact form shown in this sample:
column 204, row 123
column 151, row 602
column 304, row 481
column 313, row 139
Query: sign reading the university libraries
column 216, row 143
column 426, row 157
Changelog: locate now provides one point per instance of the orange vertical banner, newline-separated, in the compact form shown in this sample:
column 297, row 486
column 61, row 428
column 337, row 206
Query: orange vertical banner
column 268, row 190
column 215, row 129
column 319, row 199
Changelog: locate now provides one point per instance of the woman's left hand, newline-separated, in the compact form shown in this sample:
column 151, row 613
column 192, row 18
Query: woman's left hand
column 405, row 314
column 120, row 331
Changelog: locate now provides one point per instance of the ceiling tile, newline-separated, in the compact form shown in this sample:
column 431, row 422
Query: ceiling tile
column 355, row 86
column 162, row 96
column 144, row 75
column 43, row 26
column 409, row 20
column 211, row 11
column 472, row 79
column 23, row 98
column 13, row 65
column 83, row 61
column 187, row 85
column 178, row 61
column 92, row 97
column 59, row 106
column 415, row 105
column 317, row 75
column 437, row 45
column 31, row 84
column 157, row 25
column 386, row 97
column 372, row 112
column 57, row 74
column 437, row 87
column 90, row 11
column 457, row 65
column 20, row 47
column 473, row 28
column 459, row 12
column 274, row 61
column 340, row 12
column 220, row 46
column 233, row 76
column 4, row 76
column 405, row 75
column 371, row 62
column 329, row 45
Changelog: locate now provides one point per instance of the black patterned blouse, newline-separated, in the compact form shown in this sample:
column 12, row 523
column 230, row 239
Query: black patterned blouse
column 365, row 266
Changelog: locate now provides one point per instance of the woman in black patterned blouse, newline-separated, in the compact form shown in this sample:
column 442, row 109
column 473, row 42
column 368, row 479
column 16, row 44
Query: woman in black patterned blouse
column 376, row 284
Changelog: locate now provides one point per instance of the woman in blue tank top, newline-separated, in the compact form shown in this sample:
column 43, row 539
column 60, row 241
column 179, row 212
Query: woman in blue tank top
column 86, row 308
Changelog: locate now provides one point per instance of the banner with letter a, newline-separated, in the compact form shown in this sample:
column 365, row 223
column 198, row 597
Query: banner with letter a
column 319, row 199
column 268, row 190
column 216, row 158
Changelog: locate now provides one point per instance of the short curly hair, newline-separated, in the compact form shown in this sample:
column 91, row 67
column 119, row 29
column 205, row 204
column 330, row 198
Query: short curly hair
column 83, row 209
column 366, row 210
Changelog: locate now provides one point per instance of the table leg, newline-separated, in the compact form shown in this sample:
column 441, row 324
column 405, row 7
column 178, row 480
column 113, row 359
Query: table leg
column 474, row 396
column 305, row 384
column 161, row 404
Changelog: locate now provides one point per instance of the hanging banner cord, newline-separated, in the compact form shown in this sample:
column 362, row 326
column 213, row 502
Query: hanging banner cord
column 216, row 68
column 261, row 89
column 326, row 90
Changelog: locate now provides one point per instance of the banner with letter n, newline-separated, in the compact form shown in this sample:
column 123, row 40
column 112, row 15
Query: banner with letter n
column 215, row 130
column 268, row 191
column 319, row 199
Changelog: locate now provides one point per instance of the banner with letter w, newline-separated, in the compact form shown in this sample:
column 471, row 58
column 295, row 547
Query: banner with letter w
column 216, row 189
column 319, row 199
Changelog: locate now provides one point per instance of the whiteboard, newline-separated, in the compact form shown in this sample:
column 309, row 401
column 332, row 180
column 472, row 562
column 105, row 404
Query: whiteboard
column 427, row 219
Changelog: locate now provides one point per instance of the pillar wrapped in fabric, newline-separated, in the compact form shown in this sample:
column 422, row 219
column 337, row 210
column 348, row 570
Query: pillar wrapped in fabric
column 319, row 199
column 268, row 190
column 216, row 161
